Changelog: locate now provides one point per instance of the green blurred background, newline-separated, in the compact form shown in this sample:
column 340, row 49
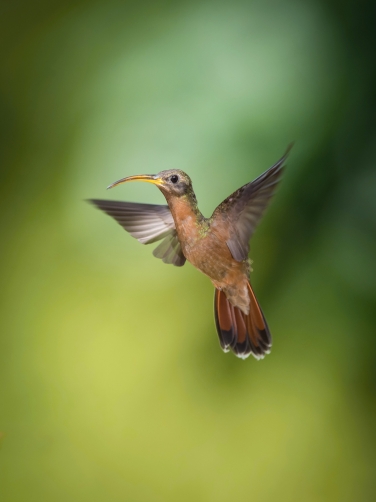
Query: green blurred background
column 112, row 383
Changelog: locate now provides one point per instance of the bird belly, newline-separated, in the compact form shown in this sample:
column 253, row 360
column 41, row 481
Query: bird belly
column 213, row 258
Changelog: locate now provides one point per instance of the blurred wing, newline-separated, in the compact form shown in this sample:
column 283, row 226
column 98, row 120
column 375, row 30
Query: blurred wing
column 244, row 208
column 147, row 223
column 169, row 250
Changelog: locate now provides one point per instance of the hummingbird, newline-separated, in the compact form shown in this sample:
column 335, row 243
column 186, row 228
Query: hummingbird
column 217, row 246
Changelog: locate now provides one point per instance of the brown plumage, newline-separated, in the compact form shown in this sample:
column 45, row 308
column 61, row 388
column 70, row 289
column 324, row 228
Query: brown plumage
column 217, row 246
column 243, row 334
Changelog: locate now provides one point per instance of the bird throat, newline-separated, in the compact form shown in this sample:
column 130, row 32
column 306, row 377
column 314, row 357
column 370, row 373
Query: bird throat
column 187, row 216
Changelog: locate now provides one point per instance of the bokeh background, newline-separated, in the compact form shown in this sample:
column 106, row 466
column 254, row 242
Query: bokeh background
column 112, row 383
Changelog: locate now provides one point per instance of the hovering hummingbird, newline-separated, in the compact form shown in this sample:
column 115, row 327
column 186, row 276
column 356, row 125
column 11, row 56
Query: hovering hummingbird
column 217, row 246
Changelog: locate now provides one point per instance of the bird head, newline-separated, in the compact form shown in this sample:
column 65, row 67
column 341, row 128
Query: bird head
column 172, row 182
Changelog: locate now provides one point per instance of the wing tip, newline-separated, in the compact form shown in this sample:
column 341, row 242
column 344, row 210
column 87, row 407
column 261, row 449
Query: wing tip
column 288, row 149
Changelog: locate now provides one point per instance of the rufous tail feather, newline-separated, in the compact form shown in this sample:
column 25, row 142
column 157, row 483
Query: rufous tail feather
column 243, row 334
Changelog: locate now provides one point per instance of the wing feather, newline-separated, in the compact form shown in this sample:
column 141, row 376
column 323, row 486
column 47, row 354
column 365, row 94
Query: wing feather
column 246, row 206
column 147, row 223
column 169, row 250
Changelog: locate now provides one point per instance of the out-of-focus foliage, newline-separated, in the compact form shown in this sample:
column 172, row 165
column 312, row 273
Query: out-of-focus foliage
column 112, row 383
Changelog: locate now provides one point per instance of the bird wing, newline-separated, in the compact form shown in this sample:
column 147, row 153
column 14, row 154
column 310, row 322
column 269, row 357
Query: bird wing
column 243, row 209
column 148, row 223
column 169, row 250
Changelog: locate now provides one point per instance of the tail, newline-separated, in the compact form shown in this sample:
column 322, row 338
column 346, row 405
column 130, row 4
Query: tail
column 243, row 334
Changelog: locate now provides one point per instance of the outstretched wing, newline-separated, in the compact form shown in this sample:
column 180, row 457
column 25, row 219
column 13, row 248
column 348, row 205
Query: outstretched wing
column 242, row 210
column 148, row 223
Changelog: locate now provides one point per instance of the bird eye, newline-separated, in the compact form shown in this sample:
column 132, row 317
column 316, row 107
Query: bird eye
column 174, row 178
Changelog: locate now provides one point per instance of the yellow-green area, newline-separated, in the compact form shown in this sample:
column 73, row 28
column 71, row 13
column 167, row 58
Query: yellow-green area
column 113, row 386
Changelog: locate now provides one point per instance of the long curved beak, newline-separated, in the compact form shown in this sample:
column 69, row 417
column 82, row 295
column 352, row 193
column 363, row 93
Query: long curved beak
column 148, row 178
